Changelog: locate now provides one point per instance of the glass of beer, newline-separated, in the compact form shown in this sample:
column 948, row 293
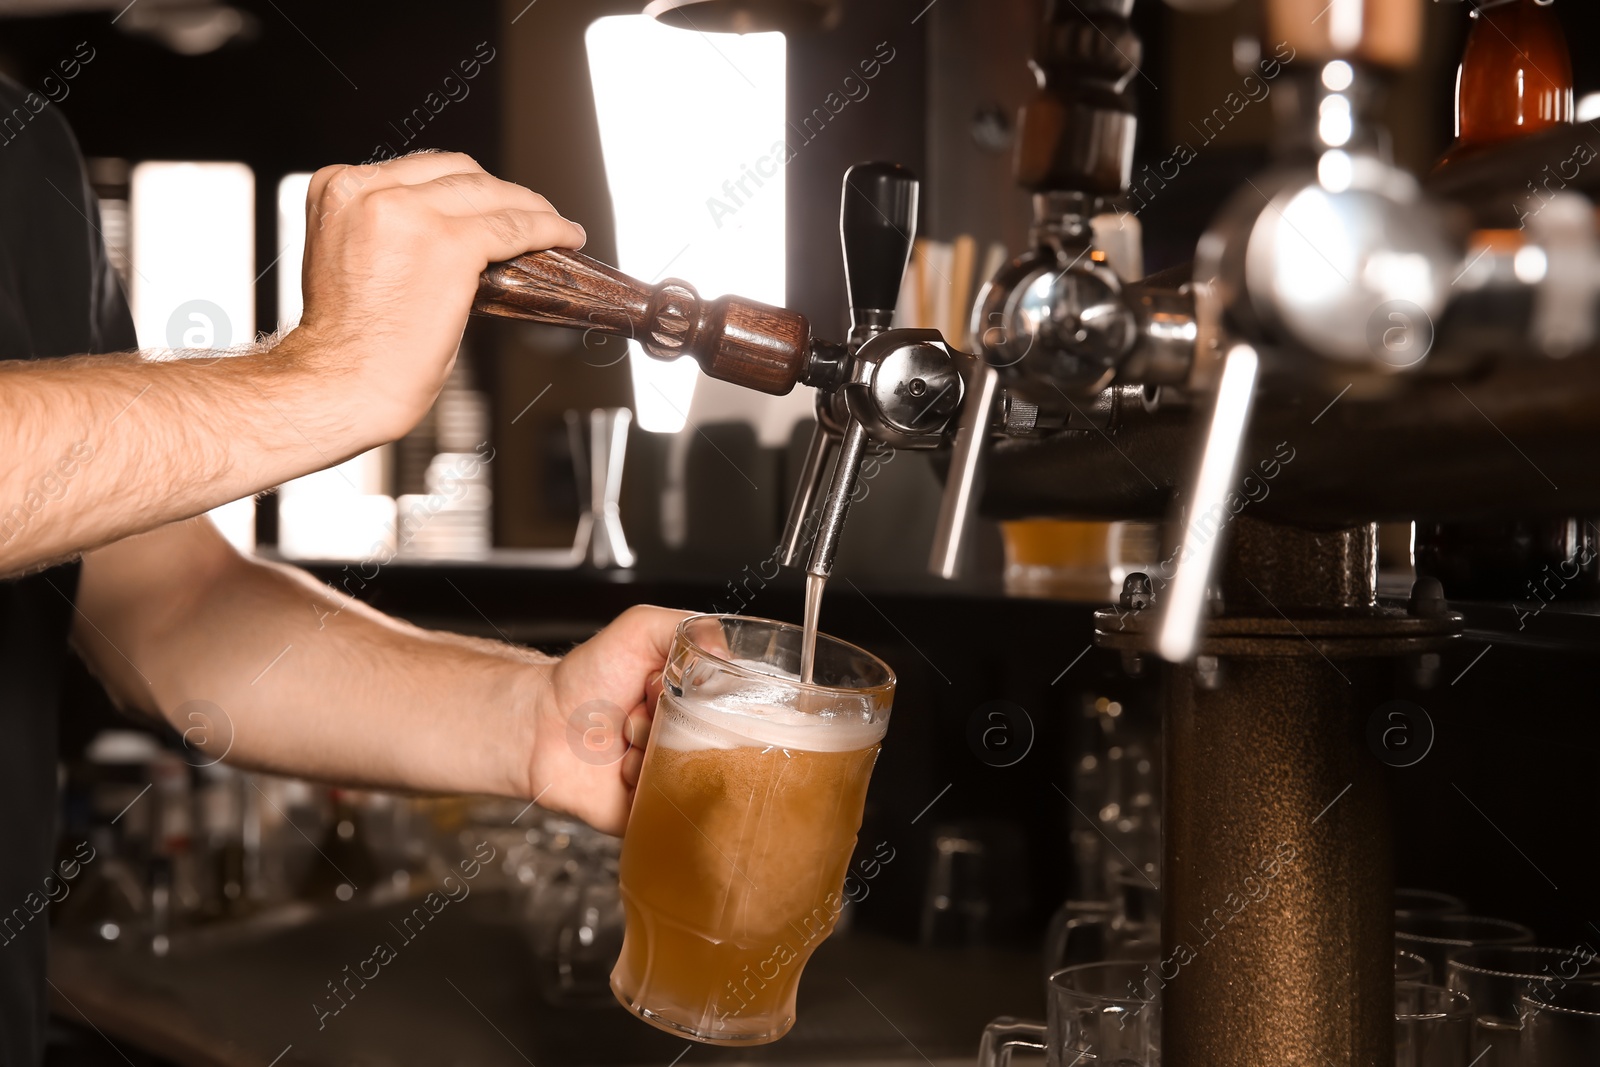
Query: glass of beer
column 746, row 814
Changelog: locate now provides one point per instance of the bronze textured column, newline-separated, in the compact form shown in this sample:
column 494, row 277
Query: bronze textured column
column 1277, row 879
column 1277, row 868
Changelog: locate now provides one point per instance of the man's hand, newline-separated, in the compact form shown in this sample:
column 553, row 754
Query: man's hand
column 393, row 254
column 100, row 447
column 592, row 719
column 308, row 682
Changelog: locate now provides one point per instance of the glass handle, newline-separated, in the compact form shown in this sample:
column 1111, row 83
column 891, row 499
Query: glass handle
column 1005, row 1034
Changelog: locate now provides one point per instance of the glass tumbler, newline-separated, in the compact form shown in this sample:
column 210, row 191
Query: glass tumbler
column 1432, row 1026
column 1410, row 967
column 1497, row 978
column 743, row 823
column 1561, row 1025
column 1100, row 1015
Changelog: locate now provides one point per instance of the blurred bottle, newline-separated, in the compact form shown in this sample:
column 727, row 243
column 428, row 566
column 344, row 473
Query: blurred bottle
column 1515, row 76
column 1515, row 80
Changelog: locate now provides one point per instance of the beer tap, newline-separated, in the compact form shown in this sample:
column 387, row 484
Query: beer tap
column 903, row 388
column 877, row 225
column 1302, row 267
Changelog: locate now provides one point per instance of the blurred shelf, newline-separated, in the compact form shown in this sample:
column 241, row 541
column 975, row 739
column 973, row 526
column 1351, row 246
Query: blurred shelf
column 502, row 596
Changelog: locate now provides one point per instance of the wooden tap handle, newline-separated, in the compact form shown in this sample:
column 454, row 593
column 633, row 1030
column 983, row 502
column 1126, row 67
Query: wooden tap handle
column 740, row 341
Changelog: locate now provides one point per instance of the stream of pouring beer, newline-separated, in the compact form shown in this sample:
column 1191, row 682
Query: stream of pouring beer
column 808, row 642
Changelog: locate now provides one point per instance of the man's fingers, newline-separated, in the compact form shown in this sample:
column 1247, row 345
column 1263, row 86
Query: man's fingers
column 419, row 167
column 333, row 188
column 467, row 196
column 474, row 193
column 407, row 170
column 632, row 767
column 638, row 740
column 502, row 235
column 498, row 219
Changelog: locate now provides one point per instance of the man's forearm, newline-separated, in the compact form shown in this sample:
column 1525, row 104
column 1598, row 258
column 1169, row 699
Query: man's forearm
column 99, row 447
column 96, row 448
column 307, row 682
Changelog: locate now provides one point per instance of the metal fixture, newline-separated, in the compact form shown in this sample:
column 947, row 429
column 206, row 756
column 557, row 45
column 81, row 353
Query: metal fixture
column 598, row 450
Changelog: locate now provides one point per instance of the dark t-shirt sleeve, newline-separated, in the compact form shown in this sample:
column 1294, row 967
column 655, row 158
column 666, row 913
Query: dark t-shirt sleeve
column 59, row 296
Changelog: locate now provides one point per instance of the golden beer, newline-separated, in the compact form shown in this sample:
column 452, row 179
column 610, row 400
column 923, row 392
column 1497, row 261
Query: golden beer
column 740, row 838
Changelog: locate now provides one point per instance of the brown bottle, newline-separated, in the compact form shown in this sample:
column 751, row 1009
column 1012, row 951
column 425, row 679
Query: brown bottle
column 1515, row 76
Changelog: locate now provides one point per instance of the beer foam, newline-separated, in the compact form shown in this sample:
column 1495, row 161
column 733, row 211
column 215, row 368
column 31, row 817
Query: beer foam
column 727, row 723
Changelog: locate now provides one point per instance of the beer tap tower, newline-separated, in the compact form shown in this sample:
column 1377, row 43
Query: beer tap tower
column 1366, row 333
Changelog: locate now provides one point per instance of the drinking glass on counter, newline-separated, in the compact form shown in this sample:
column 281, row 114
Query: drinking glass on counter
column 743, row 824
column 1100, row 1015
column 1440, row 938
column 1497, row 978
column 1432, row 1026
column 1561, row 1024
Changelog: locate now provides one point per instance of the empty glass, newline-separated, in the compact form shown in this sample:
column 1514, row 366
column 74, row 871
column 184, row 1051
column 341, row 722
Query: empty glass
column 1100, row 1015
column 1432, row 1026
column 1077, row 934
column 1561, row 1025
column 1440, row 938
column 1410, row 967
column 976, row 883
column 1128, row 926
column 1497, row 978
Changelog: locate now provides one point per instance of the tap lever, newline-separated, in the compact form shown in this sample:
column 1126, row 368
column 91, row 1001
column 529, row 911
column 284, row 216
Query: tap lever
column 836, row 505
column 1183, row 616
column 741, row 341
column 798, row 531
column 963, row 485
column 877, row 225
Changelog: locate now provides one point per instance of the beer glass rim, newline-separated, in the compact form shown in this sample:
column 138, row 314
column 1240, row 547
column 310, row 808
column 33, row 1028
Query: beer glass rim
column 1412, row 957
column 1548, row 1002
column 1476, row 960
column 886, row 686
column 1059, row 980
column 1442, row 1002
